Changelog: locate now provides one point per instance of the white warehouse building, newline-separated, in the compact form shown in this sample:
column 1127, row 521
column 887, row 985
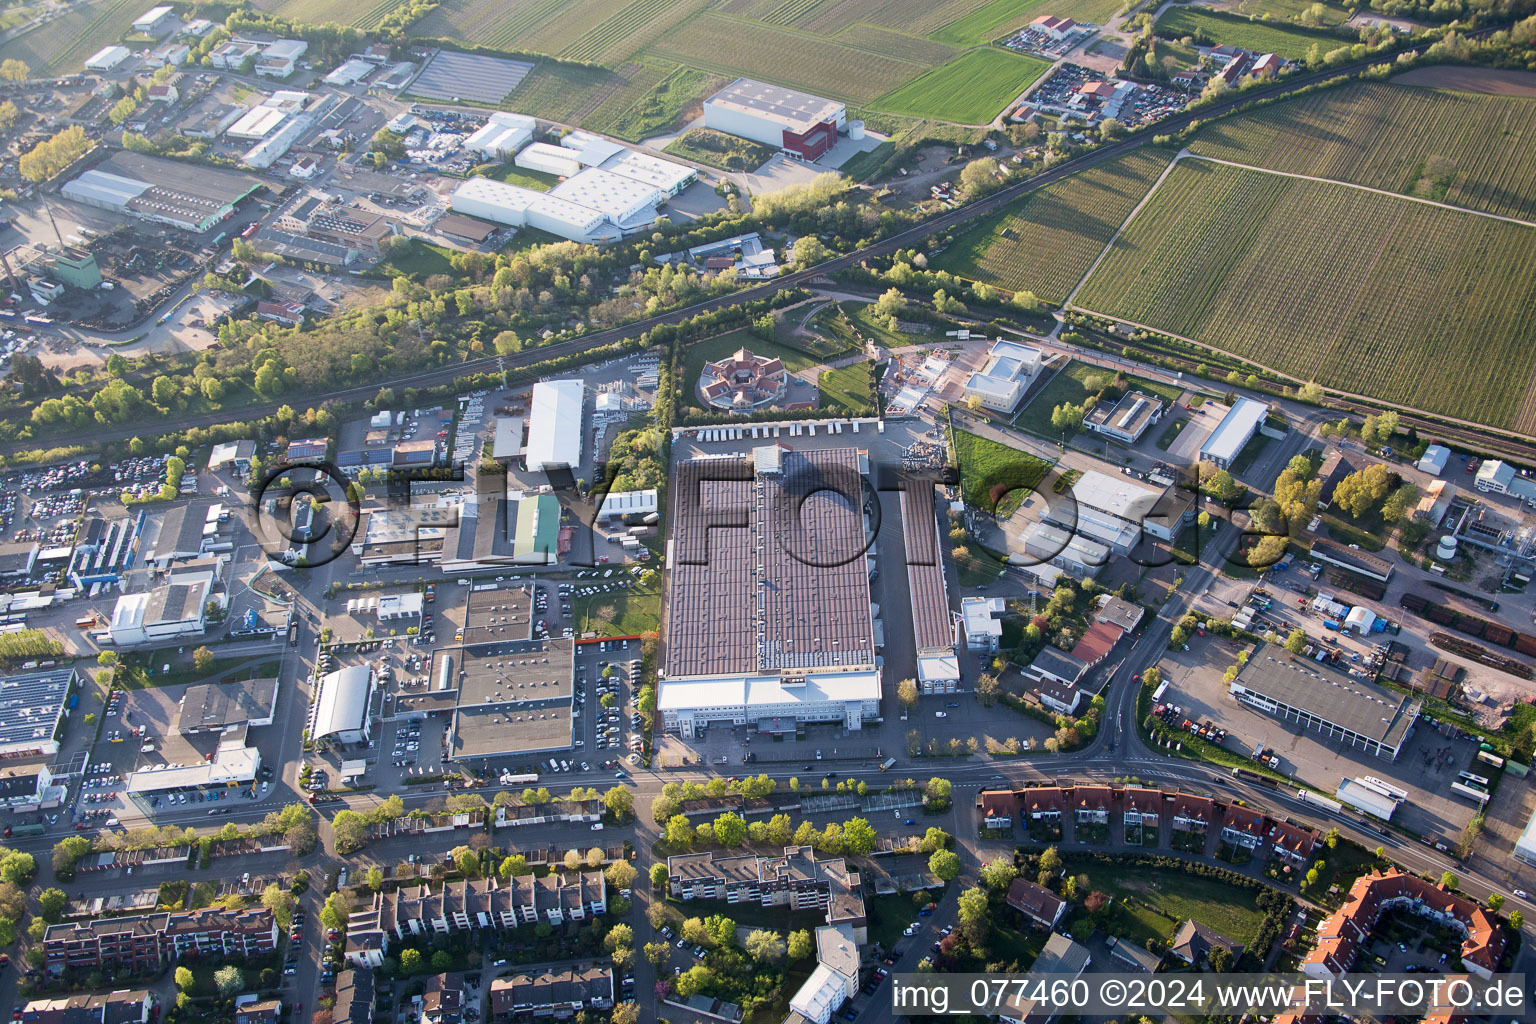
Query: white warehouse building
column 797, row 122
column 541, row 156
column 502, row 135
column 520, row 207
column 627, row 203
column 555, row 424
column 341, row 707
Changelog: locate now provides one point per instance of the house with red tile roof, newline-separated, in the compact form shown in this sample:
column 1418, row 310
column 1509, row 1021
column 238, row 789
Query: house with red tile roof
column 1043, row 804
column 1097, row 642
column 1292, row 843
column 1243, row 827
column 1193, row 813
column 1090, row 804
column 997, row 808
column 1142, row 808
column 1346, row 932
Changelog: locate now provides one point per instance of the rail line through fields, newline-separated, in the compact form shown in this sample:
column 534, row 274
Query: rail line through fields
column 942, row 222
column 1497, row 444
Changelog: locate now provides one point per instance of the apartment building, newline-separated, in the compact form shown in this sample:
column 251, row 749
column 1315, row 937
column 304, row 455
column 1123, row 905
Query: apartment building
column 553, row 992
column 153, row 942
column 121, row 1007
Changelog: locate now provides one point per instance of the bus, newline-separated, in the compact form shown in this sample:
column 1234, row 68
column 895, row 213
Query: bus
column 1476, row 780
column 887, row 764
column 293, row 632
column 1460, row 789
column 1490, row 759
column 38, row 320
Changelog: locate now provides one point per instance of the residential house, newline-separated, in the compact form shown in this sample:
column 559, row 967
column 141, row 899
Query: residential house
column 1242, row 827
column 1194, row 941
column 552, row 992
column 1039, row 905
column 153, row 942
column 1090, row 804
column 1142, row 807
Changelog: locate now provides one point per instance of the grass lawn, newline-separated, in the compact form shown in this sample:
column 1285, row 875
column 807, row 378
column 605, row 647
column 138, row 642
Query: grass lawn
column 889, row 917
column 515, row 175
column 861, row 165
column 976, row 568
column 1008, row 944
column 662, row 107
column 423, row 260
column 717, row 149
column 994, row 477
column 146, row 669
column 619, row 613
column 971, row 89
column 1171, row 432
column 846, row 389
column 1249, row 455
column 1340, row 866
column 1152, row 902
column 1069, row 386
column 1289, row 41
column 859, row 313
column 711, row 349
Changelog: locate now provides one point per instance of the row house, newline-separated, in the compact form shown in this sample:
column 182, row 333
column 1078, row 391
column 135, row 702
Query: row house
column 471, row 904
column 1242, row 827
column 553, row 992
column 1090, row 804
column 121, row 1007
column 1142, row 807
column 1294, row 844
column 1193, row 814
column 1348, row 931
column 154, row 941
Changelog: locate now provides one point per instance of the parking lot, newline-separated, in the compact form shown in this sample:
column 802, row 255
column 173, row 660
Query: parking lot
column 1427, row 766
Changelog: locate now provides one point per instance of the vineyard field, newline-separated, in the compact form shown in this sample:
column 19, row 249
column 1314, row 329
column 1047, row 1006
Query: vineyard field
column 970, row 90
column 823, row 66
column 630, row 29
column 1000, row 17
column 365, row 15
column 1046, row 241
column 1289, row 41
column 63, row 44
column 1399, row 300
column 1467, row 149
column 659, row 108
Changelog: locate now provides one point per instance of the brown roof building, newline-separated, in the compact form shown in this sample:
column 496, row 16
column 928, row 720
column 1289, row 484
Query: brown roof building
column 1347, row 931
column 1037, row 903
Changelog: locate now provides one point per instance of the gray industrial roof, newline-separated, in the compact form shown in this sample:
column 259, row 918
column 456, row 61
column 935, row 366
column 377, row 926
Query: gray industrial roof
column 30, row 706
column 1335, row 697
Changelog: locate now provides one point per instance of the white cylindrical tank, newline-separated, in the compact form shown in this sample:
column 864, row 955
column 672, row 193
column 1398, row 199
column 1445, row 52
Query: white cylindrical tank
column 856, row 131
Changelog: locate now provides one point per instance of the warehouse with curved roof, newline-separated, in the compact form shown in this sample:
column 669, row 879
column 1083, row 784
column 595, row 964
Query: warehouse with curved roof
column 340, row 710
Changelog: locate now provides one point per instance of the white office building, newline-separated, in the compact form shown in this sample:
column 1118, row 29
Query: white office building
column 689, row 705
column 520, row 207
column 1008, row 372
column 983, row 618
column 1234, row 432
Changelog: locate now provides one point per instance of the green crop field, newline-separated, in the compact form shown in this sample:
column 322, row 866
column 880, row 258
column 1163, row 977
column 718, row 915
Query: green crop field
column 1046, row 241
column 63, row 44
column 803, row 60
column 898, row 44
column 1462, row 148
column 971, row 90
column 1400, row 300
column 1289, row 10
column 578, row 94
column 717, row 149
column 1000, row 17
column 1289, row 41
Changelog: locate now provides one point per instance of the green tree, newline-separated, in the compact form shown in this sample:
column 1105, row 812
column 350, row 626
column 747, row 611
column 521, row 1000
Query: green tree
column 13, row 70
column 375, row 878
column 766, row 947
column 1297, row 641
column 51, row 902
column 184, row 978
column 514, row 866
column 945, row 864
column 202, row 660
column 1516, row 920
column 412, row 962
column 859, row 838
column 801, row 947
column 998, row 873
column 1495, row 902
column 658, row 875
column 1449, row 880
column 17, row 868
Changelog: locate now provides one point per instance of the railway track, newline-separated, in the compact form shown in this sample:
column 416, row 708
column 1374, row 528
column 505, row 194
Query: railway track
column 599, row 339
